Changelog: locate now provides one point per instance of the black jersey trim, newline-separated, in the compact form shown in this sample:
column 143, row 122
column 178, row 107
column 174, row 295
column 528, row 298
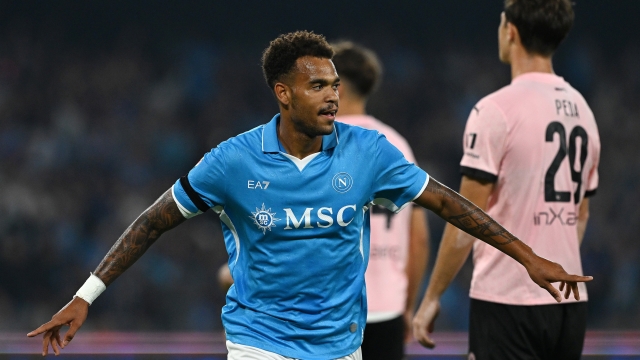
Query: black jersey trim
column 193, row 195
column 478, row 174
column 590, row 193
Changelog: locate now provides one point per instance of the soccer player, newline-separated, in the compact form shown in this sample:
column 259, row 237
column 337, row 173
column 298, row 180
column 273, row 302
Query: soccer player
column 293, row 197
column 531, row 153
column 399, row 248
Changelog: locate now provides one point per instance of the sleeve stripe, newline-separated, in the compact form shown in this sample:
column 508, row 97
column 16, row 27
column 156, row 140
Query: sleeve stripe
column 193, row 195
column 185, row 212
column 478, row 174
column 590, row 193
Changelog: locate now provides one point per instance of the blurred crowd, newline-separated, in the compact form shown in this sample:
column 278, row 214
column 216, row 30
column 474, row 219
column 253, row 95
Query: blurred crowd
column 92, row 135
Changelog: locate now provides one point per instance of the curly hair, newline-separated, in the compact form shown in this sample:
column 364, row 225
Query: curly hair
column 280, row 57
column 542, row 24
column 357, row 65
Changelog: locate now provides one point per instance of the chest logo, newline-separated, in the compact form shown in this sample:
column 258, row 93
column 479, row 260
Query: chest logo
column 264, row 219
column 342, row 182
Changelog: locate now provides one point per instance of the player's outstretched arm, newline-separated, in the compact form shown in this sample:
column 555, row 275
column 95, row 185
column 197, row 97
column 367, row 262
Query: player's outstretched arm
column 160, row 217
column 466, row 216
column 163, row 215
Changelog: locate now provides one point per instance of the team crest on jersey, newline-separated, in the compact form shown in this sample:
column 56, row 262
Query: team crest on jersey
column 264, row 219
column 342, row 182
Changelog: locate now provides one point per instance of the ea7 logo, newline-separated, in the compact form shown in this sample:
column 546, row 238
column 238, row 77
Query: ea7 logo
column 257, row 184
column 324, row 217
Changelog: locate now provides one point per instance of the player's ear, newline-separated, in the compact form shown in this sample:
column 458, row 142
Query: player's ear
column 283, row 93
column 512, row 33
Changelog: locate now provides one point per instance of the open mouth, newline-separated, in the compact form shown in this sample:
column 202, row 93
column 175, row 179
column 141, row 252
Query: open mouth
column 330, row 113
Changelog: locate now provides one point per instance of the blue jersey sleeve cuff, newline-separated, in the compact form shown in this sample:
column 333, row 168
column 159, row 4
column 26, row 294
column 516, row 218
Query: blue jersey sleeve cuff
column 185, row 205
column 417, row 195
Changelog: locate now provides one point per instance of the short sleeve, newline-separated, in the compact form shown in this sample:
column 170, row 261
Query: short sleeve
column 484, row 142
column 397, row 182
column 203, row 187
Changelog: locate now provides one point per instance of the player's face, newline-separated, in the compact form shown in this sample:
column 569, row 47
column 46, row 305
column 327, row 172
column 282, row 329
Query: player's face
column 314, row 101
column 503, row 41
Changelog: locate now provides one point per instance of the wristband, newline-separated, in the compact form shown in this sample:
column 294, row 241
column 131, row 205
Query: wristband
column 91, row 289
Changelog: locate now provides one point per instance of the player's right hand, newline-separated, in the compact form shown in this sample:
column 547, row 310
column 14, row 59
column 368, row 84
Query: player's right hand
column 423, row 321
column 73, row 314
column 544, row 272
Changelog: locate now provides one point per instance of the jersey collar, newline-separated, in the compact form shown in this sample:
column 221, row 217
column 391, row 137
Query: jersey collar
column 270, row 137
column 538, row 77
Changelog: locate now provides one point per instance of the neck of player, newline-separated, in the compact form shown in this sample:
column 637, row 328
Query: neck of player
column 295, row 142
column 523, row 62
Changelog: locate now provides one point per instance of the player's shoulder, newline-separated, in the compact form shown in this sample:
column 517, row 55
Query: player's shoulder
column 357, row 139
column 503, row 96
column 492, row 107
column 506, row 103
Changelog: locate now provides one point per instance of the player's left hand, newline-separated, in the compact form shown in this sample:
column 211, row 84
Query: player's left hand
column 544, row 272
column 424, row 321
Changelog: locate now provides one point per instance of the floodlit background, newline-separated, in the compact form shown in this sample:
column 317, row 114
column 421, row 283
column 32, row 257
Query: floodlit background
column 104, row 104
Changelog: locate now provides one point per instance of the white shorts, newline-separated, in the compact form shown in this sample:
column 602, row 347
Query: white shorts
column 244, row 352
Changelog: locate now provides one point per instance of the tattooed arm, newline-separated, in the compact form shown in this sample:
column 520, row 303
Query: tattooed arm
column 466, row 216
column 463, row 214
column 162, row 216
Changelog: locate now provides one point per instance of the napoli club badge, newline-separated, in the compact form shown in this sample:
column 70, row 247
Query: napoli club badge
column 342, row 182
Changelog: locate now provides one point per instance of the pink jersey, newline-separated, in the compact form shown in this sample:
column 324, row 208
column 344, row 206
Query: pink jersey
column 538, row 140
column 385, row 277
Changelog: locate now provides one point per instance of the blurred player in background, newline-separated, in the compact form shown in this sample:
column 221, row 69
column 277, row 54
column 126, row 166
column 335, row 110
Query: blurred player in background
column 293, row 197
column 399, row 249
column 531, row 152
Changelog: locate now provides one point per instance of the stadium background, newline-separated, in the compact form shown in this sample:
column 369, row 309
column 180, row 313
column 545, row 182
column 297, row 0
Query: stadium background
column 103, row 104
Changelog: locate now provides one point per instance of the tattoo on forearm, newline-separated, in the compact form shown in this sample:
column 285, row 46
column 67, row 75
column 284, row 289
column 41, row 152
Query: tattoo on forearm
column 439, row 189
column 477, row 223
column 470, row 218
column 163, row 215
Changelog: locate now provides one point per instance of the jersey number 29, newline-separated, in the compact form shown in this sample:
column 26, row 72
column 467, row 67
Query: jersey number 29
column 550, row 193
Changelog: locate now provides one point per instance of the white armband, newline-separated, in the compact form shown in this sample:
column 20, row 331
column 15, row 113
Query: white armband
column 91, row 289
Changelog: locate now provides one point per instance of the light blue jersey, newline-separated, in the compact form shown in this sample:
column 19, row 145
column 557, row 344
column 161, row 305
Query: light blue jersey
column 297, row 233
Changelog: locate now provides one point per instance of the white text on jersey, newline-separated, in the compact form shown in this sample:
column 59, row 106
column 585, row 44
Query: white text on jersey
column 257, row 184
column 325, row 217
